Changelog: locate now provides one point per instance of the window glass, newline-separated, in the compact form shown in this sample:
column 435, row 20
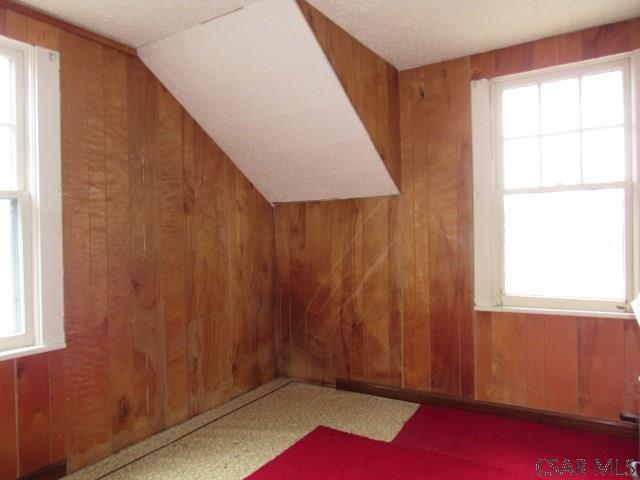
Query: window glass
column 603, row 156
column 7, row 158
column 602, row 100
column 522, row 163
column 9, row 271
column 561, row 159
column 560, row 106
column 565, row 244
column 520, row 112
column 7, row 79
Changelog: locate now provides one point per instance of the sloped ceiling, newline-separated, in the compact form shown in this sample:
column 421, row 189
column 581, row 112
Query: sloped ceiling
column 259, row 83
column 406, row 33
column 137, row 22
column 411, row 33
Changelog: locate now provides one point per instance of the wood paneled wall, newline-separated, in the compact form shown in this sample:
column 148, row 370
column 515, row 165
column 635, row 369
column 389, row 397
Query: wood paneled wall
column 338, row 263
column 168, row 256
column 381, row 290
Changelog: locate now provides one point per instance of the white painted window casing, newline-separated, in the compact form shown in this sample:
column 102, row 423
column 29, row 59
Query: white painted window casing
column 38, row 194
column 489, row 193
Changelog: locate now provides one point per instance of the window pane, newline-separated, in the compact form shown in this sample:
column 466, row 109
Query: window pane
column 520, row 112
column 9, row 286
column 602, row 100
column 565, row 244
column 603, row 157
column 522, row 163
column 6, row 91
column 7, row 159
column 561, row 159
column 560, row 104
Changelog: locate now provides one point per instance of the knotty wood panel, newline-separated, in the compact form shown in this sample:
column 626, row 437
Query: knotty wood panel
column 565, row 364
column 157, row 221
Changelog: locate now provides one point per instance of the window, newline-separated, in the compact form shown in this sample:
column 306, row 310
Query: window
column 555, row 204
column 31, row 307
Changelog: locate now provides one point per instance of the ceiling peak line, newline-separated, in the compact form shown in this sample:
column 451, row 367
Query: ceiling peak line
column 199, row 24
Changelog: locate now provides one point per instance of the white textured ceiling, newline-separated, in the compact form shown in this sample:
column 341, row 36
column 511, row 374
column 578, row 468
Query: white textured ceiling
column 136, row 22
column 259, row 83
column 411, row 33
column 406, row 33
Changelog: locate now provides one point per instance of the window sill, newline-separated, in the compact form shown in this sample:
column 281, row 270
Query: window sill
column 555, row 311
column 27, row 351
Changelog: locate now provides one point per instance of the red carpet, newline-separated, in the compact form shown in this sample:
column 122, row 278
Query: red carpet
column 328, row 454
column 441, row 443
column 513, row 445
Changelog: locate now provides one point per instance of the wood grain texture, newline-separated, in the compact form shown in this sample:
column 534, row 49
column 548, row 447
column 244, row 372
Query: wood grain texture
column 600, row 367
column 9, row 438
column 148, row 254
column 32, row 374
column 396, row 285
column 370, row 84
column 339, row 264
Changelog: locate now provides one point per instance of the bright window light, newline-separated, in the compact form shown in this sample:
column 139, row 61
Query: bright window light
column 565, row 244
column 559, row 201
column 10, row 301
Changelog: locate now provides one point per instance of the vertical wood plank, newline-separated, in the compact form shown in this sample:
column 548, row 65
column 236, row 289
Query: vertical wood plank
column 32, row 375
column 318, row 277
column 3, row 20
column 535, row 361
column 461, row 77
column 483, row 355
column 123, row 377
column 189, row 154
column 482, row 65
column 631, row 367
column 297, row 250
column 148, row 326
column 570, row 47
column 261, row 214
column 377, row 301
column 605, row 40
column 600, row 367
column 283, row 289
column 57, row 407
column 8, row 439
column 87, row 386
column 172, row 258
column 42, row 34
column 545, row 52
column 16, row 26
column 415, row 199
column 518, row 58
column 442, row 188
column 220, row 173
column 561, row 363
column 244, row 331
column 341, row 277
column 508, row 361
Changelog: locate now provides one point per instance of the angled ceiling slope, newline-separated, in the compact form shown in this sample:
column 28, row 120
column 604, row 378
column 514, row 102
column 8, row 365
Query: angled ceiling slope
column 258, row 82
column 411, row 33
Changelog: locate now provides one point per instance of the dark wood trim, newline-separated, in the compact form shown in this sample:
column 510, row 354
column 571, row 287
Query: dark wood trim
column 575, row 422
column 51, row 472
column 69, row 27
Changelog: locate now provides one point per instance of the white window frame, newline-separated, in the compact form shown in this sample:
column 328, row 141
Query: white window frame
column 488, row 192
column 39, row 198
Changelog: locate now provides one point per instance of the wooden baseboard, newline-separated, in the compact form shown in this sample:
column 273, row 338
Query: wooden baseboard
column 50, row 472
column 575, row 422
